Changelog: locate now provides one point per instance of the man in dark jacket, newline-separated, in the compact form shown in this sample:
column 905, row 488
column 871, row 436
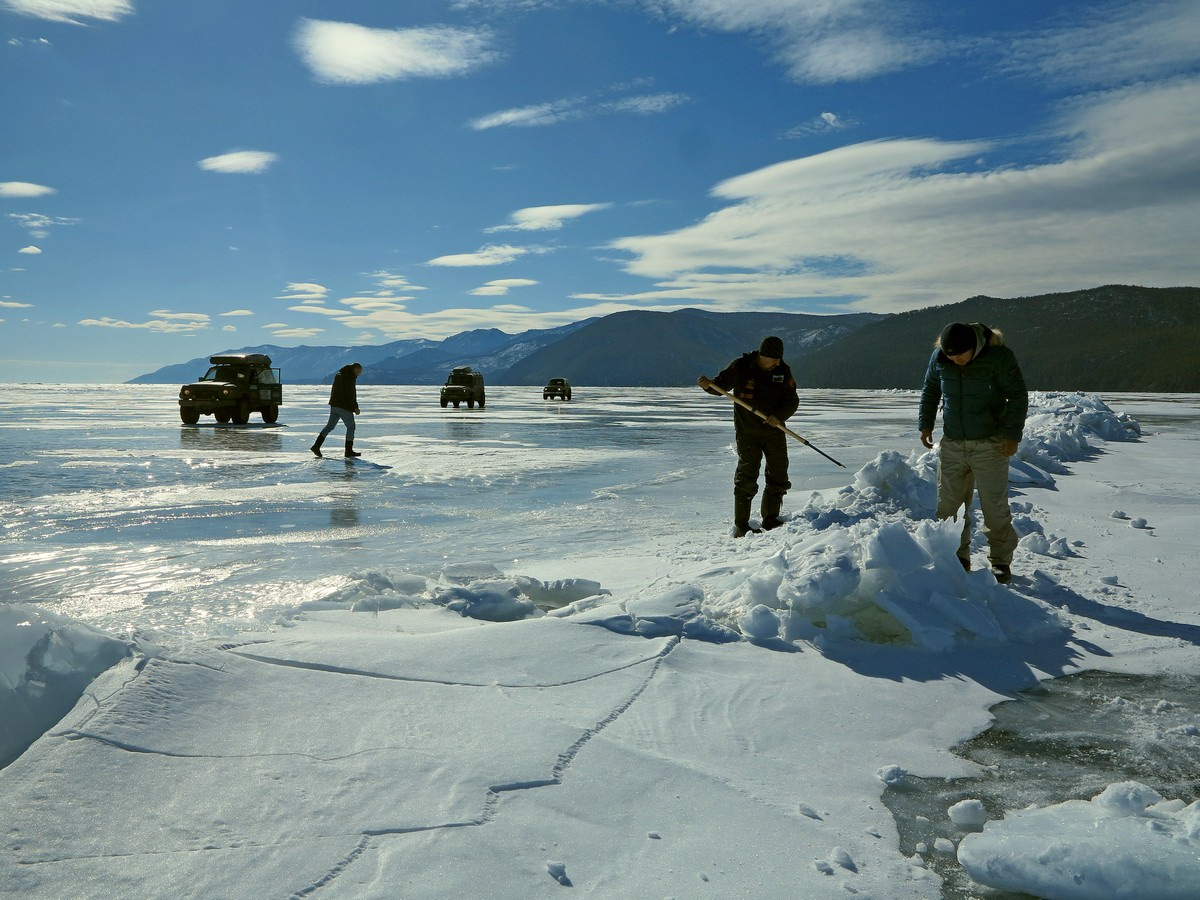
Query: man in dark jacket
column 343, row 405
column 763, row 380
column 975, row 378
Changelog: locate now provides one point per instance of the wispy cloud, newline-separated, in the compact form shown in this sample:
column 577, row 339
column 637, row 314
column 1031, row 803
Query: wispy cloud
column 583, row 107
column 304, row 290
column 825, row 123
column 1133, row 41
column 345, row 53
column 490, row 255
column 23, row 189
column 298, row 334
column 164, row 322
column 501, row 286
column 817, row 41
column 547, row 218
column 39, row 225
column 14, row 304
column 30, row 250
column 239, row 312
column 72, row 11
column 913, row 223
column 239, row 162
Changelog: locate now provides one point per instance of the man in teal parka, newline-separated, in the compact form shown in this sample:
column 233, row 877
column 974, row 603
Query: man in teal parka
column 974, row 377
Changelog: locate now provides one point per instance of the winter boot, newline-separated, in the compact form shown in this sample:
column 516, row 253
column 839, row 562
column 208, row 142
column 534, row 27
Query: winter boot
column 1002, row 572
column 741, row 518
column 771, row 504
column 350, row 449
column 316, row 447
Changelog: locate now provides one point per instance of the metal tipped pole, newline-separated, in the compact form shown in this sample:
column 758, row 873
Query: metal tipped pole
column 763, row 416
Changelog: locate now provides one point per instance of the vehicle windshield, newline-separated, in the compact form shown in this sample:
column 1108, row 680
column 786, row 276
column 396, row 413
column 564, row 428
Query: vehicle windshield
column 219, row 373
column 464, row 380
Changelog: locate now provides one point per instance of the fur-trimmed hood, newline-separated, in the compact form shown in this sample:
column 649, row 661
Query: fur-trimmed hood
column 984, row 337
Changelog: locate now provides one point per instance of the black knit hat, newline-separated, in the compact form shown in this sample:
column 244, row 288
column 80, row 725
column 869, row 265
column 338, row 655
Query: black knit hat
column 957, row 338
column 771, row 347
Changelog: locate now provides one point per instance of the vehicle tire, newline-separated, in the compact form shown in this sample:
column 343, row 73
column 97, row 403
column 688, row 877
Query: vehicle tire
column 241, row 412
column 470, row 403
column 444, row 403
column 189, row 416
column 270, row 414
column 481, row 402
column 222, row 415
column 545, row 396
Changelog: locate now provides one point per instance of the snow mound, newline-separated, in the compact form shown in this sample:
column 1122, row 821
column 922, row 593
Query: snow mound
column 1125, row 842
column 46, row 663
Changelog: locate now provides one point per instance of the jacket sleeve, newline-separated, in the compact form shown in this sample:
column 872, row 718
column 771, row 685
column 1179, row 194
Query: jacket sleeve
column 727, row 378
column 1016, row 398
column 931, row 396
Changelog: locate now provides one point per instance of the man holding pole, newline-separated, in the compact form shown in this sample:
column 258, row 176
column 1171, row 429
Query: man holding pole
column 764, row 394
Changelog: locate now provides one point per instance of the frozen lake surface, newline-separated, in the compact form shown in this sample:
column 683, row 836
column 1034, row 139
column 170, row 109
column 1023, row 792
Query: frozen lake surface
column 515, row 649
column 128, row 519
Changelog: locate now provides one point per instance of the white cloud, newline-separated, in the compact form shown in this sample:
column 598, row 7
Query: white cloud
column 390, row 281
column 501, row 286
column 295, row 333
column 165, row 322
column 818, row 41
column 71, row 11
column 23, row 189
column 1134, row 41
column 13, row 304
column 824, row 123
column 528, row 116
column 304, row 290
column 39, row 225
column 30, row 250
column 238, row 312
column 912, row 223
column 571, row 109
column 229, row 328
column 344, row 53
column 490, row 255
column 239, row 162
column 547, row 218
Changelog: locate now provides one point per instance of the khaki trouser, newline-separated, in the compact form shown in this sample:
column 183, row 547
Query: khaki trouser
column 964, row 466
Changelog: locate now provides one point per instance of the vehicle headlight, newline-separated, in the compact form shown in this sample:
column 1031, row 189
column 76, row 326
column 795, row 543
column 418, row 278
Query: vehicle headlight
column 224, row 392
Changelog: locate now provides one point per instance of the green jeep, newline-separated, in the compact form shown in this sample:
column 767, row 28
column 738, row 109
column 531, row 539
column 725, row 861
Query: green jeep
column 557, row 387
column 463, row 384
column 236, row 385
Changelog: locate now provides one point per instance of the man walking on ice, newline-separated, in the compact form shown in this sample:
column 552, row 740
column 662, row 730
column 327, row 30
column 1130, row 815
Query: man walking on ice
column 763, row 381
column 343, row 405
column 975, row 379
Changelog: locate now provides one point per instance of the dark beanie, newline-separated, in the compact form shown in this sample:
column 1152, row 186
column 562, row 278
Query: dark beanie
column 957, row 338
column 771, row 347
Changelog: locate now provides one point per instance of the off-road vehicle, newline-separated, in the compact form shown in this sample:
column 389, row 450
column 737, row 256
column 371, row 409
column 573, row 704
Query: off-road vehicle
column 463, row 385
column 557, row 387
column 236, row 385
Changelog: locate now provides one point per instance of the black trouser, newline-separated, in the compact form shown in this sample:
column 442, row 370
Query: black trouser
column 753, row 445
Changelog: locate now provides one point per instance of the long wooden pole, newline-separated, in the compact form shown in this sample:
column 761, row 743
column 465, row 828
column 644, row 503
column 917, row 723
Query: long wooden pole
column 742, row 403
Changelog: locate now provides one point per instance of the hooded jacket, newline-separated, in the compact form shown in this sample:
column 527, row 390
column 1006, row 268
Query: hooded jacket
column 344, row 394
column 983, row 399
column 772, row 392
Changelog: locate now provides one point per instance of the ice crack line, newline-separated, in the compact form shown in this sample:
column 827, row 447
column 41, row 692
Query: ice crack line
column 363, row 673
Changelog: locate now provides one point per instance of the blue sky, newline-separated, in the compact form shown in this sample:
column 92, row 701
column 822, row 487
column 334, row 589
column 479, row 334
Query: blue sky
column 181, row 178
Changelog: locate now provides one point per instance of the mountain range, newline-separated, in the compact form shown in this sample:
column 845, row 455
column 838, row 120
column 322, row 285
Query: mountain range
column 1110, row 338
